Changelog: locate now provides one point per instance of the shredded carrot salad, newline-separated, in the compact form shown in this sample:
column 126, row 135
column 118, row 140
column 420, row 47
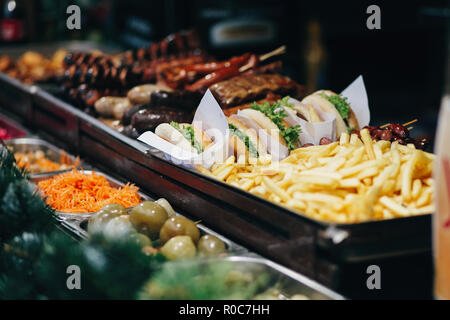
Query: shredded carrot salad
column 77, row 192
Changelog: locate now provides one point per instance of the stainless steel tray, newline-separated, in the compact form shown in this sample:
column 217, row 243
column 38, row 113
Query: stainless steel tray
column 286, row 281
column 52, row 152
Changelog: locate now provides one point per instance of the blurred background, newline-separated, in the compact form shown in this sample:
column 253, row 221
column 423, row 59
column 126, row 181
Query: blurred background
column 328, row 43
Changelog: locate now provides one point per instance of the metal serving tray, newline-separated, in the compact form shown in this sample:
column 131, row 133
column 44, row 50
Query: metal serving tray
column 52, row 152
column 286, row 281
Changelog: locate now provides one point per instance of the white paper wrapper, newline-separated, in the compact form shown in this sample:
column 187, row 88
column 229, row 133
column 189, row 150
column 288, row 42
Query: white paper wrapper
column 357, row 98
column 312, row 132
column 209, row 118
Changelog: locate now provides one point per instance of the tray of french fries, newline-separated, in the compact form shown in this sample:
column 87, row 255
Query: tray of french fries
column 348, row 181
column 355, row 188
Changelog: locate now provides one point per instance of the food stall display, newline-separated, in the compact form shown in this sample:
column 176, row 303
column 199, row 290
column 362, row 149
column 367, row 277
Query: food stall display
column 300, row 174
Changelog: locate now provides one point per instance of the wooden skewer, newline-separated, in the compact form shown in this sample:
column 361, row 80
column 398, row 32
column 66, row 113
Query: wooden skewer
column 410, row 128
column 411, row 122
column 278, row 51
column 275, row 52
column 405, row 124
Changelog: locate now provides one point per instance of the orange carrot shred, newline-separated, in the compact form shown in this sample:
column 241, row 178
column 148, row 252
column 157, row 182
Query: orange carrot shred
column 77, row 192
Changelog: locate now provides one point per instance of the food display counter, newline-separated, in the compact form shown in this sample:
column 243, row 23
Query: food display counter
column 379, row 215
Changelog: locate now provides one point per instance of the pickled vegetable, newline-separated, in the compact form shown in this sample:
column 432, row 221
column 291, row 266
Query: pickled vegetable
column 141, row 239
column 210, row 246
column 118, row 227
column 166, row 205
column 148, row 218
column 179, row 248
column 179, row 226
column 98, row 221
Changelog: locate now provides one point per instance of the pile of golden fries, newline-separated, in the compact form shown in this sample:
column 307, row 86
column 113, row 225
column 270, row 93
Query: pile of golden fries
column 352, row 180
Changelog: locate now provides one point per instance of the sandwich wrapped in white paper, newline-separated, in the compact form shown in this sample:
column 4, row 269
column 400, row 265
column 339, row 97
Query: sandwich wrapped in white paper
column 313, row 132
column 210, row 119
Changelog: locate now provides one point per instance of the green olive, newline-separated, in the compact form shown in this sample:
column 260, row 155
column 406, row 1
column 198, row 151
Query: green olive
column 140, row 239
column 179, row 248
column 179, row 226
column 118, row 227
column 115, row 208
column 98, row 221
column 210, row 246
column 148, row 218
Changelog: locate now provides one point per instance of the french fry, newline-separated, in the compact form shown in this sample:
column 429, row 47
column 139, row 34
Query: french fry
column 322, row 181
column 387, row 214
column 344, row 139
column 367, row 140
column 416, row 188
column 424, row 198
column 394, row 207
column 223, row 174
column 358, row 168
column 349, row 183
column 369, row 172
column 203, row 170
column 377, row 151
column 423, row 210
column 320, row 197
column 314, row 117
column 270, row 185
column 384, row 145
column 387, row 187
column 246, row 185
column 354, row 140
column 357, row 157
column 407, row 176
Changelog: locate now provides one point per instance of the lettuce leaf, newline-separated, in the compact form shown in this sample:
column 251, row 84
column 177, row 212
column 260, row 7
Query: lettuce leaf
column 277, row 115
column 188, row 133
